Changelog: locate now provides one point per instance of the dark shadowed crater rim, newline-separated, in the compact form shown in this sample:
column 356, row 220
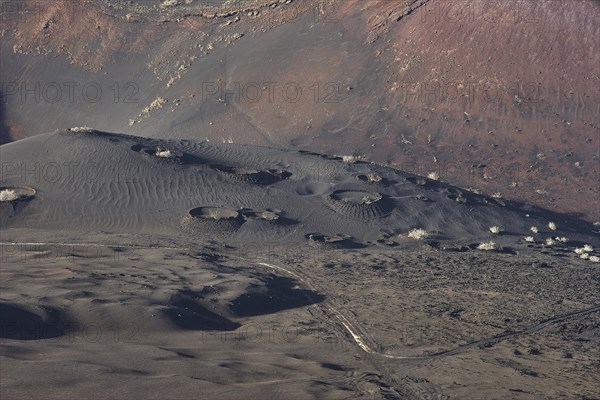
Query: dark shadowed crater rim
column 263, row 177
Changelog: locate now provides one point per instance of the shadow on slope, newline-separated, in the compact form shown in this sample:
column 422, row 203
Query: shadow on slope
column 4, row 135
column 278, row 294
column 20, row 324
column 186, row 312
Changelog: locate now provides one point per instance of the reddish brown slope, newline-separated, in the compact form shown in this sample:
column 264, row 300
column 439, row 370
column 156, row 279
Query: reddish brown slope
column 501, row 96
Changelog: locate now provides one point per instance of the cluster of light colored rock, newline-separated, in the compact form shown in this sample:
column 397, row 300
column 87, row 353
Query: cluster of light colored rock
column 418, row 234
column 8, row 195
column 584, row 253
column 487, row 246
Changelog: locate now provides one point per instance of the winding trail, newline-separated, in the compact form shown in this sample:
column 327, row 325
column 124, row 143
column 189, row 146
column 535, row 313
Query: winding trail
column 360, row 339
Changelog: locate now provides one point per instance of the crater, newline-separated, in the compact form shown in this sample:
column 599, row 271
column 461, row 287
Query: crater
column 337, row 241
column 258, row 177
column 266, row 215
column 375, row 179
column 16, row 193
column 165, row 155
column 417, row 180
column 213, row 221
column 360, row 204
column 459, row 199
column 269, row 216
column 214, row 213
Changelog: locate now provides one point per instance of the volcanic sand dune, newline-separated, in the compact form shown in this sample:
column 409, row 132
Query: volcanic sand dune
column 152, row 319
column 96, row 181
column 213, row 320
